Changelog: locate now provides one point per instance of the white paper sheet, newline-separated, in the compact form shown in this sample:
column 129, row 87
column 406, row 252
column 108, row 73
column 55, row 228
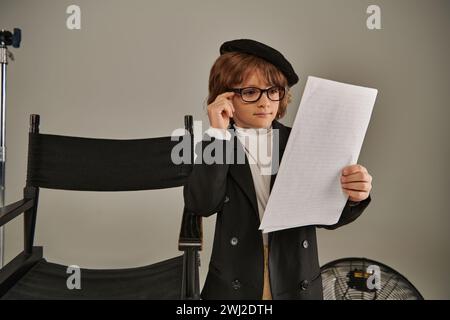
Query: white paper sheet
column 327, row 135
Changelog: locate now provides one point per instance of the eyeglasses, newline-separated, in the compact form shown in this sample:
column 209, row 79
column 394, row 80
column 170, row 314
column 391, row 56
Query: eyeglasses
column 252, row 94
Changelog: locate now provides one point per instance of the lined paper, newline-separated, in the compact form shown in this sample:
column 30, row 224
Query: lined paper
column 327, row 135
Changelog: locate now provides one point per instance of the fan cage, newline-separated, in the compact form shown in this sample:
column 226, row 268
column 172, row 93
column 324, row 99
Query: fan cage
column 345, row 279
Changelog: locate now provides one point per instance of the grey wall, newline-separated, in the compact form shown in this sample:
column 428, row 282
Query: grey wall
column 136, row 67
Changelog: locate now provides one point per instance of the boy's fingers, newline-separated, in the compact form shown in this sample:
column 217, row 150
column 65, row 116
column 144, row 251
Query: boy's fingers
column 356, row 186
column 356, row 194
column 353, row 169
column 228, row 94
column 355, row 177
column 229, row 111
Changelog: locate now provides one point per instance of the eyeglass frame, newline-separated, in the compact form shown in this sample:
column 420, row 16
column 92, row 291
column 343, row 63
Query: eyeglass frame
column 261, row 91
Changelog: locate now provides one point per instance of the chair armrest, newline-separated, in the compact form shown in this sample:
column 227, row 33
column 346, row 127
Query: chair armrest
column 191, row 232
column 11, row 211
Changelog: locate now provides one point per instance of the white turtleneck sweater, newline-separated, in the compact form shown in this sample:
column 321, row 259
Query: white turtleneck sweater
column 257, row 144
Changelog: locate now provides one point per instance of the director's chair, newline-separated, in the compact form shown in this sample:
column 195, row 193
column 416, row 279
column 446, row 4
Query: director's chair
column 89, row 164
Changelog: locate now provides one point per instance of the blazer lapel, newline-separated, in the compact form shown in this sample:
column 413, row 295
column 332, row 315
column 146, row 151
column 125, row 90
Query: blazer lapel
column 283, row 136
column 242, row 174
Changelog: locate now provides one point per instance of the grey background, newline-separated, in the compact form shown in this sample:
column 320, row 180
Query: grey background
column 136, row 67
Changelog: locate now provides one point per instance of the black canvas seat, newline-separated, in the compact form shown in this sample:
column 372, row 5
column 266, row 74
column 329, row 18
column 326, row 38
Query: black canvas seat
column 47, row 280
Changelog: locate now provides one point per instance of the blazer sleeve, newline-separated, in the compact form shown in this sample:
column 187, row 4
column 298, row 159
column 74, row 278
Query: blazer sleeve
column 205, row 188
column 349, row 214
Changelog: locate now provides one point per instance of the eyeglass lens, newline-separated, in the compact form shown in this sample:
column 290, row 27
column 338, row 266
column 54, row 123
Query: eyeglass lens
column 253, row 94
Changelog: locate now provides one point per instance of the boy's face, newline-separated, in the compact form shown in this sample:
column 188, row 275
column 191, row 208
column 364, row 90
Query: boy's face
column 259, row 114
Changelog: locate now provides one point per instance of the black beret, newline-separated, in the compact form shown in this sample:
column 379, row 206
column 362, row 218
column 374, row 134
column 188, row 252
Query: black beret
column 262, row 51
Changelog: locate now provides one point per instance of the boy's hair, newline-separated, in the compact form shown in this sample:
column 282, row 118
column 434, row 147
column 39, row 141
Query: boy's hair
column 232, row 68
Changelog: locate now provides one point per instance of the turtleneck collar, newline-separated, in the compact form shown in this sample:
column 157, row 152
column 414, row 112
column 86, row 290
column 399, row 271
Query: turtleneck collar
column 252, row 131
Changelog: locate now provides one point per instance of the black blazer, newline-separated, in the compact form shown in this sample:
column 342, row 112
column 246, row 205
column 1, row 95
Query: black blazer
column 236, row 268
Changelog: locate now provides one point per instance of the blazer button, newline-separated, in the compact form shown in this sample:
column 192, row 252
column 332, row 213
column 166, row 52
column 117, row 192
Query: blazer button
column 234, row 241
column 304, row 285
column 305, row 244
column 227, row 199
column 236, row 284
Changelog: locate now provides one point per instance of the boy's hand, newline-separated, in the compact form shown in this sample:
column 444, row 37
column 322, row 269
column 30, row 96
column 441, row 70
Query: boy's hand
column 221, row 110
column 356, row 182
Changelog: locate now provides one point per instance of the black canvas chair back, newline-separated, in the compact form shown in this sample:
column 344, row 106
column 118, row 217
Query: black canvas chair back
column 85, row 164
column 89, row 164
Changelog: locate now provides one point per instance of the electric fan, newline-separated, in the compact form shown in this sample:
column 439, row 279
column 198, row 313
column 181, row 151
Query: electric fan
column 365, row 279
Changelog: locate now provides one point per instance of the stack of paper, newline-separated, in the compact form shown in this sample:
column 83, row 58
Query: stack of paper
column 327, row 135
